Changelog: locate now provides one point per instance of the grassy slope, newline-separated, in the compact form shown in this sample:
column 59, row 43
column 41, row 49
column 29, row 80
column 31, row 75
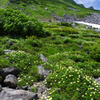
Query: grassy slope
column 37, row 8
column 3, row 2
column 61, row 53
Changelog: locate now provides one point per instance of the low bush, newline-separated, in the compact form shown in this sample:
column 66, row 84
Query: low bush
column 68, row 30
column 14, row 22
column 65, row 24
column 68, row 40
column 72, row 84
column 27, row 65
column 34, row 43
column 94, row 50
column 1, row 51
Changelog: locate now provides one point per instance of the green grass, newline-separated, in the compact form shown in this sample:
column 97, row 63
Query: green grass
column 72, row 69
column 36, row 8
column 3, row 2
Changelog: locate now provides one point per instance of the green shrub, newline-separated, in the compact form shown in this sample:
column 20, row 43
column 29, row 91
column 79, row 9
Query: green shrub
column 14, row 22
column 1, row 51
column 65, row 24
column 94, row 50
column 68, row 40
column 72, row 84
column 34, row 43
column 68, row 30
column 4, row 63
column 74, row 35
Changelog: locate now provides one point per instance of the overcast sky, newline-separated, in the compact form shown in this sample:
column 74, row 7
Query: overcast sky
column 88, row 3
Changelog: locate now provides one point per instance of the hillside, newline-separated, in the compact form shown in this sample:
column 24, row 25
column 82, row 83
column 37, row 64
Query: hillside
column 48, row 60
column 42, row 9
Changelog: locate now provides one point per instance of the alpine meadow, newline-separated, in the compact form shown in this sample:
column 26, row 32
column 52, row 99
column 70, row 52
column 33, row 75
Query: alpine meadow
column 45, row 54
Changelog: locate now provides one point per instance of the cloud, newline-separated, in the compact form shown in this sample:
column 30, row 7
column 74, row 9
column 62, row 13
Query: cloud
column 88, row 3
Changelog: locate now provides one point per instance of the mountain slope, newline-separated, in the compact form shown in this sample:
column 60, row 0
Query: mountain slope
column 3, row 2
column 42, row 9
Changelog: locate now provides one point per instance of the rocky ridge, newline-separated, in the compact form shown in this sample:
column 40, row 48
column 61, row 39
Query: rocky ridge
column 93, row 18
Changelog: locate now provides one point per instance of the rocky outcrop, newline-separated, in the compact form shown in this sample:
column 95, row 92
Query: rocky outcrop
column 12, row 94
column 92, row 18
column 73, row 9
column 91, row 7
column 11, row 81
column 9, row 70
column 8, row 83
column 42, row 71
column 43, row 58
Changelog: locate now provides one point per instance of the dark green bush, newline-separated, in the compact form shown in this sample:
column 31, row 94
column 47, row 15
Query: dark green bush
column 65, row 24
column 1, row 51
column 68, row 30
column 14, row 22
column 94, row 50
column 81, row 87
column 34, row 43
column 68, row 40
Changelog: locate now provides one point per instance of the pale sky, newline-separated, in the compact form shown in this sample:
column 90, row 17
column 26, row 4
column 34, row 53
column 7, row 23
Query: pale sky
column 88, row 3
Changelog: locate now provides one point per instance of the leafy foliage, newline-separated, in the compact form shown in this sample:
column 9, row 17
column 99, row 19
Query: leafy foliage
column 16, row 23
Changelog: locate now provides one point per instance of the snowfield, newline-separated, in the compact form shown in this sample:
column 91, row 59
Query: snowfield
column 89, row 24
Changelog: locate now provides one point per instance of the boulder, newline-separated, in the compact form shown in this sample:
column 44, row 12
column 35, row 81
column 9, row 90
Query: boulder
column 12, row 94
column 25, row 87
column 98, row 80
column 40, row 90
column 46, row 8
column 73, row 25
column 42, row 71
column 44, row 59
column 9, row 70
column 81, row 46
column 50, row 20
column 10, row 81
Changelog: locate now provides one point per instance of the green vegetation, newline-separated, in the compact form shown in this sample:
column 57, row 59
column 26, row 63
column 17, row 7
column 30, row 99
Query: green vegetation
column 73, row 52
column 16, row 23
column 72, row 69
column 3, row 2
column 42, row 9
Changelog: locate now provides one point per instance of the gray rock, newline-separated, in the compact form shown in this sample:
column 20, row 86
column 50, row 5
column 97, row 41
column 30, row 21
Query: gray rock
column 25, row 87
column 42, row 71
column 10, row 81
column 50, row 20
column 12, row 94
column 44, row 59
column 46, row 8
column 40, row 90
column 73, row 25
column 8, row 51
column 9, row 70
column 73, row 9
column 96, row 30
column 10, row 42
column 98, row 80
column 81, row 46
column 87, row 52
